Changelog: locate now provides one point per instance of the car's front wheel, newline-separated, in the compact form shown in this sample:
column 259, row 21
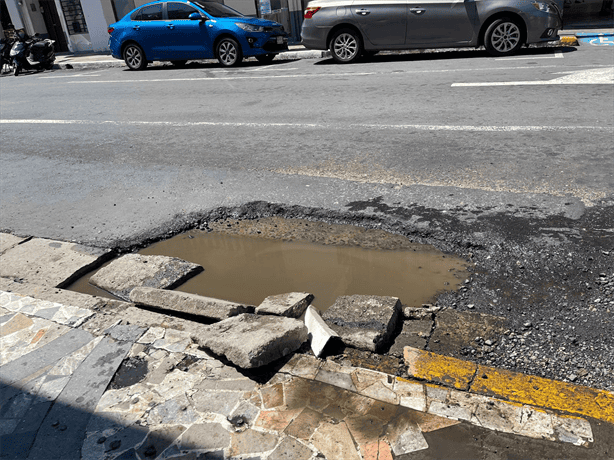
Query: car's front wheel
column 346, row 46
column 503, row 37
column 228, row 52
column 134, row 57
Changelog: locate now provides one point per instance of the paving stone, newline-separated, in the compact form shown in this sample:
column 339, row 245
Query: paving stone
column 8, row 241
column 336, row 375
column 50, row 263
column 290, row 449
column 152, row 334
column 72, row 410
column 127, row 272
column 28, row 364
column 205, row 436
column 406, row 437
column 125, row 332
column 365, row 429
column 51, row 294
column 247, row 411
column 411, row 394
column 574, row 430
column 158, row 440
column 429, row 422
column 276, row 420
column 304, row 425
column 126, row 439
column 177, row 410
column 251, row 442
column 455, row 330
column 251, row 340
column 535, row 423
column 302, row 366
column 272, row 396
column 335, row 442
column 16, row 323
column 183, row 302
column 218, row 402
column 365, row 322
column 319, row 331
column 414, row 334
column 292, row 304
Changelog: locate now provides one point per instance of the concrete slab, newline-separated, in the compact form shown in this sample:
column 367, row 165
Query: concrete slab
column 193, row 304
column 8, row 241
column 250, row 340
column 50, row 263
column 51, row 294
column 292, row 304
column 122, row 275
column 365, row 322
column 319, row 331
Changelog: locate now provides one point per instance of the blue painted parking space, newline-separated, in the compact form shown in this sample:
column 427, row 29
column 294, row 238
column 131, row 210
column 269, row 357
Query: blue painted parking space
column 596, row 39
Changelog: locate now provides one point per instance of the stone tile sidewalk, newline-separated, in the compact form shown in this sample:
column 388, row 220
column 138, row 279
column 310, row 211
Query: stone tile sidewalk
column 85, row 377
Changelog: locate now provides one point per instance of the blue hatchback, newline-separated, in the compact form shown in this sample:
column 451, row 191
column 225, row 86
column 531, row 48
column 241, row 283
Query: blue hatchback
column 178, row 31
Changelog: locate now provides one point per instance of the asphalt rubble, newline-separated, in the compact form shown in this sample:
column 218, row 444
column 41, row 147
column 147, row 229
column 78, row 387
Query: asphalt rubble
column 90, row 377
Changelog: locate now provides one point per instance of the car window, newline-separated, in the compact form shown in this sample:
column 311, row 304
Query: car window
column 180, row 10
column 217, row 10
column 149, row 13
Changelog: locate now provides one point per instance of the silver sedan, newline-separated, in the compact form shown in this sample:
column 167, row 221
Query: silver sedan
column 355, row 28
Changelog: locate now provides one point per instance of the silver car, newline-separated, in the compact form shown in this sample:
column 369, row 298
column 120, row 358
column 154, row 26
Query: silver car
column 355, row 28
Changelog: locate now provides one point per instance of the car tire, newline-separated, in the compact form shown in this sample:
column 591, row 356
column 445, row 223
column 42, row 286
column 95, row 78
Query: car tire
column 346, row 46
column 180, row 63
column 134, row 57
column 265, row 58
column 503, row 37
column 228, row 52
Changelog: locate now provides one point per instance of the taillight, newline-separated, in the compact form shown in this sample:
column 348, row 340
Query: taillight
column 309, row 12
column 110, row 30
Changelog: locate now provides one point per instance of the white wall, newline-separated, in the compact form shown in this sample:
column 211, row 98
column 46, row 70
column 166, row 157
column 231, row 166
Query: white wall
column 96, row 25
column 247, row 7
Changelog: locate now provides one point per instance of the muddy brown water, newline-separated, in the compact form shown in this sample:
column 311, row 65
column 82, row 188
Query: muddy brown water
column 246, row 261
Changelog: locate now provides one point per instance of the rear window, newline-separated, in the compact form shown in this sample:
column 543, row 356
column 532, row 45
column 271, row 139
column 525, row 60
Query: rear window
column 148, row 13
column 180, row 10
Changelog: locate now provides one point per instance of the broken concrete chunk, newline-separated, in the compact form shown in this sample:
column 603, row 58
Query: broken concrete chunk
column 319, row 331
column 363, row 321
column 122, row 275
column 184, row 302
column 251, row 340
column 291, row 305
column 50, row 263
column 415, row 333
column 420, row 312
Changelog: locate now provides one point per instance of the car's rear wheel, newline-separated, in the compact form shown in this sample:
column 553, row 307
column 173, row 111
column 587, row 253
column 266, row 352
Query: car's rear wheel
column 503, row 37
column 265, row 58
column 134, row 57
column 346, row 46
column 181, row 63
column 228, row 52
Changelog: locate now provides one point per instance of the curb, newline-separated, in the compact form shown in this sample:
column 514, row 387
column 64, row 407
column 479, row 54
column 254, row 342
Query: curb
column 508, row 385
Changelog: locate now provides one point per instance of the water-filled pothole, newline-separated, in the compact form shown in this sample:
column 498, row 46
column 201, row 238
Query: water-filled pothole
column 246, row 261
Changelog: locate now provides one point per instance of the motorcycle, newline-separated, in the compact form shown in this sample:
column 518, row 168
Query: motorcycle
column 5, row 49
column 31, row 53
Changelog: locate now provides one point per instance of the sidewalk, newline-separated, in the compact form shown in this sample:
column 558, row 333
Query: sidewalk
column 85, row 377
column 96, row 61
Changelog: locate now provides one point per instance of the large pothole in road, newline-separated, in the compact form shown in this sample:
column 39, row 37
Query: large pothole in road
column 246, row 261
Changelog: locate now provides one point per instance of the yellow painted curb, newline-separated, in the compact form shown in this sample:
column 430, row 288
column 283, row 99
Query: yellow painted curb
column 538, row 391
column 569, row 40
column 438, row 368
column 513, row 386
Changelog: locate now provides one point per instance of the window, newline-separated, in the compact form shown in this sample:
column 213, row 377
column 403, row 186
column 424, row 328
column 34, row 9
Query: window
column 180, row 11
column 73, row 13
column 149, row 13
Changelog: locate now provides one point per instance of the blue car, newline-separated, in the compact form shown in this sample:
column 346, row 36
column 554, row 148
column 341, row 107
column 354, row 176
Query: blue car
column 178, row 31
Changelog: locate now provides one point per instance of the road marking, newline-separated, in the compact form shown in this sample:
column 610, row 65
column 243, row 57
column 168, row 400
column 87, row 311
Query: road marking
column 71, row 76
column 581, row 77
column 514, row 386
column 557, row 55
column 261, row 69
column 253, row 77
column 404, row 127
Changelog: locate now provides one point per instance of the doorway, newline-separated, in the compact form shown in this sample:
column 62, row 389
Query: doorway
column 53, row 24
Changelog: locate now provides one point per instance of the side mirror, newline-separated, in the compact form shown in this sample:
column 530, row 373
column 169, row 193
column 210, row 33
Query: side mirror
column 196, row 17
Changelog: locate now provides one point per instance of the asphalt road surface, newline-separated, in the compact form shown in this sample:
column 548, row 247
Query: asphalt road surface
column 508, row 162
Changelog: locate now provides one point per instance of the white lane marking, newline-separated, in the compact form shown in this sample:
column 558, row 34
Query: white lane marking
column 322, row 75
column 581, row 77
column 254, row 77
column 557, row 55
column 179, row 124
column 271, row 68
column 71, row 76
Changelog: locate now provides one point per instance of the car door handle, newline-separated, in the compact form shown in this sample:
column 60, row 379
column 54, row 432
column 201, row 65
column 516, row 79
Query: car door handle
column 417, row 10
column 363, row 12
column 136, row 27
column 170, row 26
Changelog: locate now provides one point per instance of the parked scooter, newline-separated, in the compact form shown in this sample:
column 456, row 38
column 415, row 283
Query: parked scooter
column 5, row 49
column 31, row 53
